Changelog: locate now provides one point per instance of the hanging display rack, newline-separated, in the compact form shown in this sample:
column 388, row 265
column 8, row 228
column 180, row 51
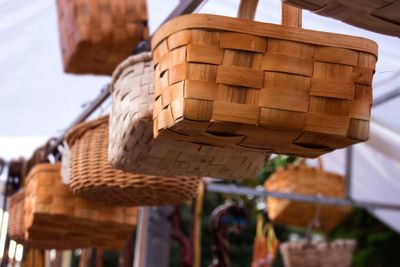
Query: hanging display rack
column 189, row 6
column 249, row 191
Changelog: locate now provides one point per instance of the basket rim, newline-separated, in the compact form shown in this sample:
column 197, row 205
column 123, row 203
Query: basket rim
column 79, row 130
column 16, row 198
column 129, row 61
column 275, row 177
column 224, row 23
column 43, row 167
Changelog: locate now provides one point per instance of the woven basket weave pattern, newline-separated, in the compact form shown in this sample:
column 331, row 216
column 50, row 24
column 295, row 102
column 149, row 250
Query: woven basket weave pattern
column 132, row 147
column 262, row 86
column 97, row 35
column 322, row 254
column 374, row 15
column 306, row 181
column 55, row 218
column 16, row 223
column 92, row 177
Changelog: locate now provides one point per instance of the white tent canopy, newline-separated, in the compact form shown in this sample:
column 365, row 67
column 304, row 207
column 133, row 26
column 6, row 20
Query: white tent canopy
column 38, row 100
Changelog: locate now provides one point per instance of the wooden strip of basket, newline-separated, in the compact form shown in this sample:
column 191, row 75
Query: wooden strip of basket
column 65, row 164
column 97, row 35
column 262, row 86
column 16, row 211
column 306, row 181
column 318, row 254
column 92, row 177
column 56, row 218
column 374, row 15
column 132, row 147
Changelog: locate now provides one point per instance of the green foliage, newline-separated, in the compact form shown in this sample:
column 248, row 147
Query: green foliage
column 378, row 245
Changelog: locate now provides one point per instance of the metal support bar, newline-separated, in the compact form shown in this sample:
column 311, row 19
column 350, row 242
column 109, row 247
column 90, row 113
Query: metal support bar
column 387, row 97
column 349, row 171
column 185, row 7
column 92, row 107
column 248, row 191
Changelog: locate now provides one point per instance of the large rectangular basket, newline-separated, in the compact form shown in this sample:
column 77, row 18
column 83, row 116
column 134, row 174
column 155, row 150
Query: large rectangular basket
column 55, row 218
column 133, row 148
column 254, row 85
column 309, row 181
column 97, row 35
column 374, row 15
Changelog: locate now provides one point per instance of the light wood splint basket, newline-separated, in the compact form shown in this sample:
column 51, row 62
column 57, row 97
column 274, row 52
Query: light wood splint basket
column 96, row 35
column 304, row 253
column 252, row 85
column 305, row 180
column 133, row 148
column 92, row 177
column 56, row 218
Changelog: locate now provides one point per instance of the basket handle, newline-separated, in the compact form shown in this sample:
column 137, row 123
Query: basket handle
column 291, row 16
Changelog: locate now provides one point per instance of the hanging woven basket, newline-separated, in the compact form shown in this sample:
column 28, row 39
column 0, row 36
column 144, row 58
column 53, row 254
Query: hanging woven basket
column 253, row 85
column 309, row 181
column 55, row 218
column 133, row 148
column 16, row 211
column 374, row 15
column 92, row 177
column 97, row 35
column 318, row 254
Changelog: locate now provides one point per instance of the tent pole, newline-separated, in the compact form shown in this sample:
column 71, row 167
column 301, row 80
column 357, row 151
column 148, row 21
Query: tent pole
column 349, row 171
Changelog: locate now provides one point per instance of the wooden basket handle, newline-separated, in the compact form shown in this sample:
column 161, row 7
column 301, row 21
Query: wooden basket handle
column 291, row 16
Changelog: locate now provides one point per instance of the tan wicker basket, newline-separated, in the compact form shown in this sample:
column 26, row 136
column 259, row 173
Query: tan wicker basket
column 92, row 177
column 318, row 254
column 55, row 218
column 254, row 85
column 97, row 35
column 374, row 15
column 304, row 180
column 132, row 147
column 16, row 211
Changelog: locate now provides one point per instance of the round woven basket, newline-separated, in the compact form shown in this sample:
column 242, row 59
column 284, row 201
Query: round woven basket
column 16, row 211
column 92, row 177
column 133, row 148
column 305, row 180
